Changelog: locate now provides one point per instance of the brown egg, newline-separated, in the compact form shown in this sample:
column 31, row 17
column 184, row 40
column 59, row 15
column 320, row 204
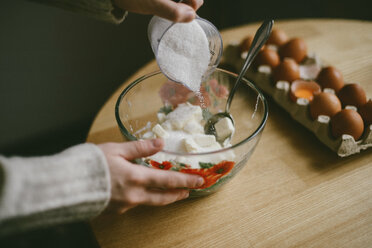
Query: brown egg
column 287, row 70
column 352, row 94
column 330, row 77
column 366, row 112
column 267, row 57
column 324, row 104
column 277, row 37
column 347, row 121
column 245, row 44
column 295, row 48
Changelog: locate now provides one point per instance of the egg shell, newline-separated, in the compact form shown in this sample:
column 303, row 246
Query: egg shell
column 267, row 57
column 324, row 103
column 352, row 94
column 304, row 89
column 287, row 70
column 365, row 112
column 347, row 121
column 330, row 77
column 295, row 48
column 277, row 37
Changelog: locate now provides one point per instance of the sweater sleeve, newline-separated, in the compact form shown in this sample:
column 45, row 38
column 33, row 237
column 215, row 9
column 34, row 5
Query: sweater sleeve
column 40, row 191
column 100, row 9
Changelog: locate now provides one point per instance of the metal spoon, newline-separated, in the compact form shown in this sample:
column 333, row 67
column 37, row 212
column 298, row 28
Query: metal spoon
column 259, row 40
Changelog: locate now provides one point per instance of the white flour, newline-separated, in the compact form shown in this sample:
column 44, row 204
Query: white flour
column 183, row 54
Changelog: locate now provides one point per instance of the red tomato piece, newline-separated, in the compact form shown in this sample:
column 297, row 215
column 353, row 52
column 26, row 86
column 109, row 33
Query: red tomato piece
column 165, row 165
column 222, row 168
column 202, row 101
column 174, row 93
column 209, row 179
column 218, row 89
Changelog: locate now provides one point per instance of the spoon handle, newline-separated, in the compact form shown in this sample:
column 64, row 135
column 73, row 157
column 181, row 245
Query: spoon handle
column 259, row 40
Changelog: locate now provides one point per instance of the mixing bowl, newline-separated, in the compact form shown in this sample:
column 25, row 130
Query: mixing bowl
column 137, row 111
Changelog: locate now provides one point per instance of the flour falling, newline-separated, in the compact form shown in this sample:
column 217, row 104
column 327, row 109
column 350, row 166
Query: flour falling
column 183, row 54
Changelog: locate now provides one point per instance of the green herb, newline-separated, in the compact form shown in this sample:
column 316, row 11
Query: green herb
column 206, row 114
column 205, row 165
column 172, row 92
column 166, row 109
column 192, row 100
column 142, row 162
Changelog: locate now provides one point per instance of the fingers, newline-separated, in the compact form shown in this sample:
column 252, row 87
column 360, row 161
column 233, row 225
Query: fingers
column 117, row 207
column 141, row 196
column 173, row 11
column 164, row 197
column 176, row 12
column 141, row 148
column 168, row 179
column 195, row 4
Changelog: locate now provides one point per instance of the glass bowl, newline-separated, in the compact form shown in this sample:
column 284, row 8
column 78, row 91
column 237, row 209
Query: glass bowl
column 137, row 111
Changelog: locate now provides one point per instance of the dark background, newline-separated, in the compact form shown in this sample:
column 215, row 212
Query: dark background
column 58, row 68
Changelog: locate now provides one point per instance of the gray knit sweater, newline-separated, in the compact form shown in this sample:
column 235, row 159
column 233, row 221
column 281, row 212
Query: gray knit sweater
column 70, row 186
column 99, row 9
column 39, row 191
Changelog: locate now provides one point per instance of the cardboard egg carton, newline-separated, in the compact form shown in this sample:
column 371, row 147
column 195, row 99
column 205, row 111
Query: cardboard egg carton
column 343, row 146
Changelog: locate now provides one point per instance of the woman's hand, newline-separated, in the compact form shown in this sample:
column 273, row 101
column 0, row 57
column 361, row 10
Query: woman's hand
column 176, row 12
column 133, row 184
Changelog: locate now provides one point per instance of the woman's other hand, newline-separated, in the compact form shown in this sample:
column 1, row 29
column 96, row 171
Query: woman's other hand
column 133, row 184
column 168, row 9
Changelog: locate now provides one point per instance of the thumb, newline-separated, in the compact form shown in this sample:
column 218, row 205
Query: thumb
column 141, row 148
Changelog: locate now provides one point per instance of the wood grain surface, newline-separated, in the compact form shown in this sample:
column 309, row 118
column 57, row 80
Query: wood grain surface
column 294, row 191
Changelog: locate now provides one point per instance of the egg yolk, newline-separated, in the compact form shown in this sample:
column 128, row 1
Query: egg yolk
column 304, row 93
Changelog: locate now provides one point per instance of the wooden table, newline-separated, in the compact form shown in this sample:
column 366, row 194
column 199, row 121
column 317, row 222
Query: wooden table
column 294, row 191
